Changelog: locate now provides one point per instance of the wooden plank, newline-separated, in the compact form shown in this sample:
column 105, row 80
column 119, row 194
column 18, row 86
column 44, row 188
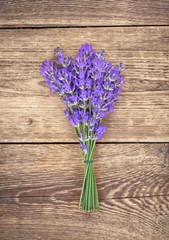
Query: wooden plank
column 126, row 170
column 30, row 113
column 120, row 219
column 40, row 186
column 83, row 13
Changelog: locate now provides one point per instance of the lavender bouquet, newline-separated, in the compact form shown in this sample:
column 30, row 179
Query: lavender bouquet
column 89, row 86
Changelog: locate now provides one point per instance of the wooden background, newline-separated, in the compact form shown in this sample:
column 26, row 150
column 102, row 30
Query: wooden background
column 41, row 166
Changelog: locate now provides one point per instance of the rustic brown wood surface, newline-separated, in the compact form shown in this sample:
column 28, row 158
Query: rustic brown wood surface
column 124, row 219
column 30, row 113
column 41, row 166
column 83, row 13
column 122, row 170
column 40, row 188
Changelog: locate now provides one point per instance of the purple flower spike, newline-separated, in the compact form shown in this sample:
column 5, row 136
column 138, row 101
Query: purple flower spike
column 100, row 130
column 83, row 148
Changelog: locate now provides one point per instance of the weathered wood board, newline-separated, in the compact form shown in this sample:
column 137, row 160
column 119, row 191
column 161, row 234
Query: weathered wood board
column 83, row 13
column 122, row 170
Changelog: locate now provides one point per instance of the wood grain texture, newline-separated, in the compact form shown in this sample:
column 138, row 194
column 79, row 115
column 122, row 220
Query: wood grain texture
column 120, row 219
column 126, row 170
column 40, row 187
column 83, row 13
column 30, row 113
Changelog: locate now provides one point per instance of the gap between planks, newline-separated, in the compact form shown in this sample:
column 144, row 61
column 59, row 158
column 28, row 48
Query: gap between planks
column 66, row 143
column 89, row 26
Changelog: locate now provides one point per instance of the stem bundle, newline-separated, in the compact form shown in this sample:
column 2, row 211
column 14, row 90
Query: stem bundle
column 89, row 195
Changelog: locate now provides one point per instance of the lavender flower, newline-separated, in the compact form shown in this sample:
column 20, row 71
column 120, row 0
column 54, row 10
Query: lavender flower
column 86, row 82
column 89, row 86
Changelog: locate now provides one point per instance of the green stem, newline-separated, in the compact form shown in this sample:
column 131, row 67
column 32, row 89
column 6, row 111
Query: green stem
column 77, row 133
column 85, row 174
